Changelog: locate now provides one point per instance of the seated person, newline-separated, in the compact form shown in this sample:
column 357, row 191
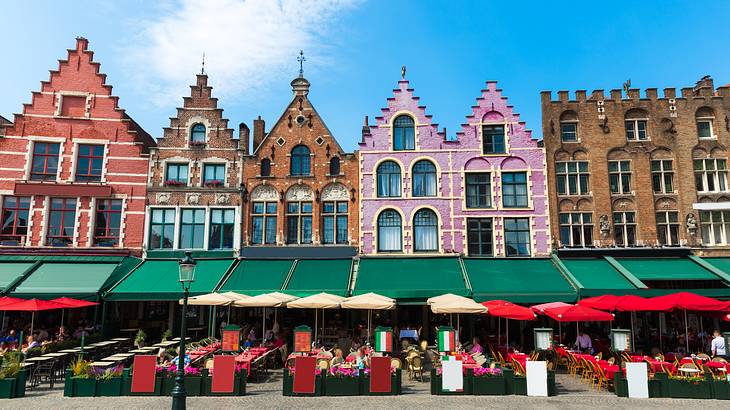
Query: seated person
column 583, row 343
column 361, row 360
column 62, row 334
column 175, row 359
column 476, row 348
column 338, row 359
column 32, row 343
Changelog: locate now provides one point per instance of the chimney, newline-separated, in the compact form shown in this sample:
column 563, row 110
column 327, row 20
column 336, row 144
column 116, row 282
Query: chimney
column 82, row 43
column 259, row 129
column 366, row 127
column 243, row 133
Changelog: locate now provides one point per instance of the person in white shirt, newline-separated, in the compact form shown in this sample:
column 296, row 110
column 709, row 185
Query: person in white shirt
column 718, row 344
column 583, row 343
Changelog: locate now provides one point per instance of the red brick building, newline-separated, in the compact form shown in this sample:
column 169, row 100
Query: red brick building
column 300, row 186
column 74, row 166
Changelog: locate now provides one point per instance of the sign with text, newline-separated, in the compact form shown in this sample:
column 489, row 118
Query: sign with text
column 303, row 339
column 231, row 339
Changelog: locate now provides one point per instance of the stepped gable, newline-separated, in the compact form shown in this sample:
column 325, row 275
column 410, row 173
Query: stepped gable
column 76, row 76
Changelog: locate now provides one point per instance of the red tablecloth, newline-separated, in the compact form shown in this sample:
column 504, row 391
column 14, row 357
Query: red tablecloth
column 521, row 358
column 586, row 356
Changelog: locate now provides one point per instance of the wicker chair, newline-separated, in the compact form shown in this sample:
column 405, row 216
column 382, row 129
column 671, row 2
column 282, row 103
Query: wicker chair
column 417, row 368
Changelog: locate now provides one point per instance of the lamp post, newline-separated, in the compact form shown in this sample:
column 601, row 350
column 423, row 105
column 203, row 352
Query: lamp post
column 187, row 276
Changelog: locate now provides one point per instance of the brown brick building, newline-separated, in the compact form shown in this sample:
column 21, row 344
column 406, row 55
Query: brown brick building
column 632, row 171
column 195, row 177
column 300, row 187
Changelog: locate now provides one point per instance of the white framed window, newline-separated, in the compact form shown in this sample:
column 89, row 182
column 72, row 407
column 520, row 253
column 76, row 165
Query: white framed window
column 715, row 227
column 667, row 228
column 636, row 130
column 569, row 131
column 572, row 177
column 624, row 226
column 704, row 128
column 619, row 176
column 576, row 229
column 710, row 175
column 662, row 176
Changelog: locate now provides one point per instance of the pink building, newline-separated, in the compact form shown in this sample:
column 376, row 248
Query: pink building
column 483, row 194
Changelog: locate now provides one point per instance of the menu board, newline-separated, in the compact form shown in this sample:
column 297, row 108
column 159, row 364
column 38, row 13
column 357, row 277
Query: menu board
column 543, row 339
column 231, row 340
column 302, row 341
column 621, row 340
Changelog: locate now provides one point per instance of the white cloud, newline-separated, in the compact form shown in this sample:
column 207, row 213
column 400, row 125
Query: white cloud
column 247, row 44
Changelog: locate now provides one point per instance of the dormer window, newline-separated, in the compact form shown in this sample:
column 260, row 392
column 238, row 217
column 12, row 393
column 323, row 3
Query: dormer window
column 265, row 167
column 197, row 134
column 493, row 139
column 404, row 133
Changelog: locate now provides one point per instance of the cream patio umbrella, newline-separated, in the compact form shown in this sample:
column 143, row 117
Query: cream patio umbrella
column 320, row 300
column 370, row 301
column 273, row 299
column 447, row 298
column 216, row 299
column 458, row 305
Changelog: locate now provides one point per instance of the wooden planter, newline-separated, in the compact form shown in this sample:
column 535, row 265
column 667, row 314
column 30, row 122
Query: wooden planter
column 83, row 387
column 111, row 387
column 683, row 389
column 237, row 384
column 193, row 385
column 488, row 385
column 341, row 386
column 168, row 383
column 7, row 388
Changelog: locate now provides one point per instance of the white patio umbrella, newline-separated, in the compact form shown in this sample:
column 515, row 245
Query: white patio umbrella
column 370, row 301
column 446, row 298
column 273, row 299
column 458, row 305
column 213, row 299
column 318, row 301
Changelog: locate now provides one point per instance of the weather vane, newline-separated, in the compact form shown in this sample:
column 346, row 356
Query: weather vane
column 202, row 69
column 403, row 72
column 301, row 60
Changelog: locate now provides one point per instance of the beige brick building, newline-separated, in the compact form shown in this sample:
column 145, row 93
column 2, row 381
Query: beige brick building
column 195, row 176
column 631, row 170
column 300, row 187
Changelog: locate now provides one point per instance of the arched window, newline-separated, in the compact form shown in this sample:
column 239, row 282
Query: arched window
column 404, row 133
column 424, row 178
column 265, row 167
column 300, row 161
column 197, row 134
column 388, row 179
column 569, row 126
column 425, row 231
column 335, row 166
column 389, row 231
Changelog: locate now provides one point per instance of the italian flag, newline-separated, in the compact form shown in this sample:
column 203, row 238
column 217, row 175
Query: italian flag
column 447, row 342
column 384, row 341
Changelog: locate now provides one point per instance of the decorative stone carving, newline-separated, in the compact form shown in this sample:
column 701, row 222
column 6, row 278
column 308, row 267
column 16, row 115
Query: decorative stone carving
column 691, row 224
column 299, row 193
column 163, row 198
column 222, row 199
column 335, row 192
column 605, row 225
column 264, row 193
column 193, row 199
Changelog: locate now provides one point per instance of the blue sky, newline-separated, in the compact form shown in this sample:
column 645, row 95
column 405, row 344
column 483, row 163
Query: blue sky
column 151, row 52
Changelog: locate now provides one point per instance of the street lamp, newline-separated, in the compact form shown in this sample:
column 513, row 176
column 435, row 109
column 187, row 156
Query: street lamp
column 187, row 276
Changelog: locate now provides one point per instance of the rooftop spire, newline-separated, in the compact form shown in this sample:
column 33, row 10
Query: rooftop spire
column 403, row 72
column 301, row 60
column 202, row 69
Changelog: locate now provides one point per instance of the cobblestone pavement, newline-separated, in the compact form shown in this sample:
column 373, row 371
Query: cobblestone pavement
column 267, row 395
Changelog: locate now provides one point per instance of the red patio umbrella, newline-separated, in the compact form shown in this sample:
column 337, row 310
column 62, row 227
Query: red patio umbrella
column 508, row 310
column 32, row 305
column 72, row 304
column 577, row 313
column 541, row 308
column 605, row 302
column 6, row 300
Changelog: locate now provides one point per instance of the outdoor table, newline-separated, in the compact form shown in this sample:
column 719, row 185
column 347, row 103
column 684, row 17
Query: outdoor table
column 139, row 351
column 688, row 370
column 59, row 354
column 120, row 339
column 408, row 334
column 74, row 350
column 658, row 365
column 39, row 359
column 102, row 364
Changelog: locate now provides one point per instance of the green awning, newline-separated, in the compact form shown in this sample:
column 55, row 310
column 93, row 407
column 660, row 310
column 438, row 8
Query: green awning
column 10, row 272
column 518, row 280
column 666, row 269
column 256, row 276
column 598, row 277
column 157, row 279
column 720, row 263
column 416, row 278
column 82, row 279
column 312, row 276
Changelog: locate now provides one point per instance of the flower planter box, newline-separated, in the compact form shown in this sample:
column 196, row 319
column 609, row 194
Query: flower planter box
column 193, row 385
column 127, row 387
column 341, row 386
column 110, row 387
column 208, row 387
column 721, row 390
column 436, row 386
column 7, row 388
column 683, row 389
column 395, row 385
column 519, row 385
column 20, row 383
column 288, row 386
column 488, row 385
column 168, row 383
column 83, row 387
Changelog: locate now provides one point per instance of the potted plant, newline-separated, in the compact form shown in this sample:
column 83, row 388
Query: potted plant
column 11, row 374
column 395, row 383
column 82, row 381
column 214, row 183
column 342, row 381
column 109, row 381
column 174, row 182
column 694, row 387
column 488, row 381
column 167, row 376
column 193, row 380
column 166, row 335
column 139, row 339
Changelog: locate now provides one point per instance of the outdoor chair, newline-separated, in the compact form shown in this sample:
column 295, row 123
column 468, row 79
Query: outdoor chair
column 719, row 359
column 687, row 366
column 395, row 363
column 417, row 368
column 518, row 368
column 703, row 356
column 43, row 372
column 323, row 364
column 611, row 360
